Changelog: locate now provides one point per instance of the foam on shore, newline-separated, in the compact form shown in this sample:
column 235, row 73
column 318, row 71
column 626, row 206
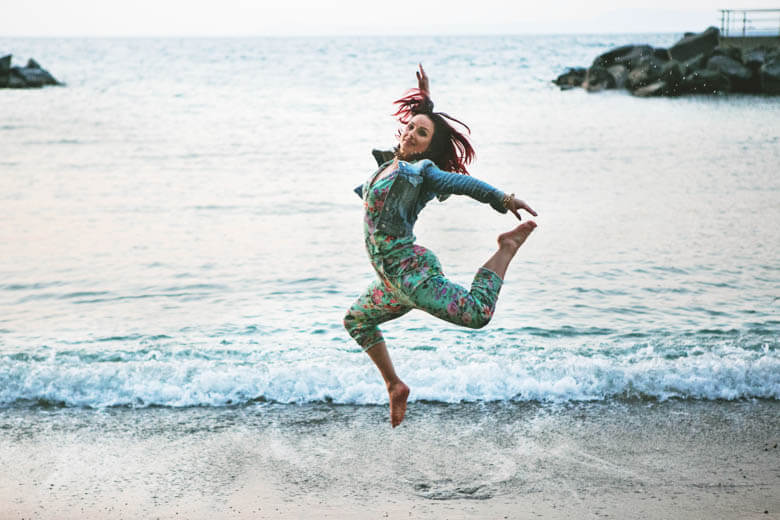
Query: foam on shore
column 222, row 377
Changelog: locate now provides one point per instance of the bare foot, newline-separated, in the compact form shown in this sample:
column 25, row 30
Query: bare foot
column 515, row 238
column 399, row 392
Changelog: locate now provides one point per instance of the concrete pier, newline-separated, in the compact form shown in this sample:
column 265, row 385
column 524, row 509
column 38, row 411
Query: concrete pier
column 750, row 28
column 750, row 42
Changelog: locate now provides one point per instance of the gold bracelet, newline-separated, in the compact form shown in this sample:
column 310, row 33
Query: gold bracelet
column 508, row 198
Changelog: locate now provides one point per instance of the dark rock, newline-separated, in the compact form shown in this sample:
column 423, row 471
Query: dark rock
column 647, row 71
column 31, row 76
column 598, row 79
column 608, row 58
column 754, row 58
column 635, row 57
column 696, row 63
column 662, row 54
column 731, row 52
column 692, row 45
column 657, row 88
column 573, row 77
column 15, row 81
column 619, row 75
column 34, row 78
column 740, row 77
column 672, row 74
column 5, row 70
column 48, row 78
column 626, row 55
column 770, row 80
column 705, row 81
column 28, row 78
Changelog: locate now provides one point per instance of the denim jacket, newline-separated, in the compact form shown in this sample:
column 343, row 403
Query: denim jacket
column 419, row 182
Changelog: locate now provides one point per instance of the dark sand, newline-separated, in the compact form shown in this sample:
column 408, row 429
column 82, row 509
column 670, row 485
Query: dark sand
column 679, row 459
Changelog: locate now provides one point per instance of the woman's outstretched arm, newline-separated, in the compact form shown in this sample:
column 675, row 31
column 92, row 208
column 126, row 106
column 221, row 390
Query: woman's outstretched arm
column 444, row 183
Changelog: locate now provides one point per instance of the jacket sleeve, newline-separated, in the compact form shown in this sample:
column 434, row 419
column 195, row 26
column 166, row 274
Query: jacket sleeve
column 445, row 183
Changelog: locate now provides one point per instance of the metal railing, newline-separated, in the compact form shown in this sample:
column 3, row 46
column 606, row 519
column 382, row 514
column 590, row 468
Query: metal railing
column 749, row 22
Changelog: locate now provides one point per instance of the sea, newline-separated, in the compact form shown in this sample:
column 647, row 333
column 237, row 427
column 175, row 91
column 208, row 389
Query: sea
column 179, row 243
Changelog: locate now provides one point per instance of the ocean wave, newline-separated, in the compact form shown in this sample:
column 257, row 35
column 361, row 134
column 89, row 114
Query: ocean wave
column 224, row 377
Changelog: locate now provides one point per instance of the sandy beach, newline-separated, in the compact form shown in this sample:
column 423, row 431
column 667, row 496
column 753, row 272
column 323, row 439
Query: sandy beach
column 626, row 460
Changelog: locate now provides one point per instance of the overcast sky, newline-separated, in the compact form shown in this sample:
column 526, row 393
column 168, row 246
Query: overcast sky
column 352, row 17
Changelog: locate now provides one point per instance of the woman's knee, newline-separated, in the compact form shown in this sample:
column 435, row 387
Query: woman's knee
column 479, row 321
column 478, row 318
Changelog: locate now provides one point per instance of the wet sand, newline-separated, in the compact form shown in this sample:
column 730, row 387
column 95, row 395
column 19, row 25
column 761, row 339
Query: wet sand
column 638, row 459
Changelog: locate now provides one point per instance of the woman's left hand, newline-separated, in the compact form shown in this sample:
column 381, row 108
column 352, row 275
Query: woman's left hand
column 422, row 81
column 516, row 204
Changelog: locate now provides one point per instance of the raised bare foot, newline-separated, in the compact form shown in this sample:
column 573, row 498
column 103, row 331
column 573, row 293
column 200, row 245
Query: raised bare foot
column 517, row 236
column 399, row 393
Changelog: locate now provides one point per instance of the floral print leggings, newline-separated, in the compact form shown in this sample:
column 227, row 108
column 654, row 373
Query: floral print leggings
column 416, row 282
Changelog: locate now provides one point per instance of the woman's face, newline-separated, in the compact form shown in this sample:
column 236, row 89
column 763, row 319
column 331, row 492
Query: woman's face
column 416, row 136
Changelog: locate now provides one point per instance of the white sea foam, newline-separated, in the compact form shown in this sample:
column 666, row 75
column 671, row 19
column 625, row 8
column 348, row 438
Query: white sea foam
column 555, row 374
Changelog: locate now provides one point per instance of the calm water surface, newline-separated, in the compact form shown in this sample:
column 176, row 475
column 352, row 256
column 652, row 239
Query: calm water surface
column 179, row 227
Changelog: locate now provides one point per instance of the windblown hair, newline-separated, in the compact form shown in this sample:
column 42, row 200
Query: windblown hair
column 450, row 148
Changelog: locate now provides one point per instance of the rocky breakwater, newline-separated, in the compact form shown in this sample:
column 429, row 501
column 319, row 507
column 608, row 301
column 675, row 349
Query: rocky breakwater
column 31, row 76
column 697, row 64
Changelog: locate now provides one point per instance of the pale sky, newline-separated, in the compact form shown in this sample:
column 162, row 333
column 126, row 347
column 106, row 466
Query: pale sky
column 352, row 17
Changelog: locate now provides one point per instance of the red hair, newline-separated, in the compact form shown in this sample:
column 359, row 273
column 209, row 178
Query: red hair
column 450, row 148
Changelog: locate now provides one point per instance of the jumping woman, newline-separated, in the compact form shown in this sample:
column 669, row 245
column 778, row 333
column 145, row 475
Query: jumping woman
column 429, row 161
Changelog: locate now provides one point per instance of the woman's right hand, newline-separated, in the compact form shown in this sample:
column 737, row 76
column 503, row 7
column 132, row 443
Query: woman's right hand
column 422, row 81
column 516, row 204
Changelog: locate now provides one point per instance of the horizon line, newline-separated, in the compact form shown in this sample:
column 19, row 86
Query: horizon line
column 353, row 35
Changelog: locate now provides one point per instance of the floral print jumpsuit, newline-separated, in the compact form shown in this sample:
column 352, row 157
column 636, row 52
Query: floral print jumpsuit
column 410, row 277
